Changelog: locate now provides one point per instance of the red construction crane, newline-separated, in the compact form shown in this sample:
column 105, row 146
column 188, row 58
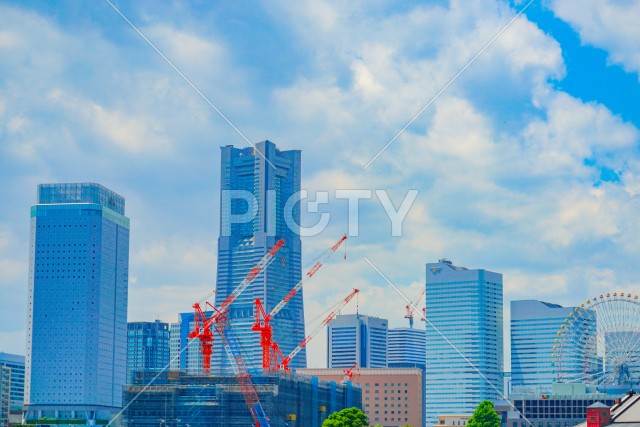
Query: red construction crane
column 284, row 361
column 202, row 329
column 409, row 313
column 262, row 323
column 349, row 373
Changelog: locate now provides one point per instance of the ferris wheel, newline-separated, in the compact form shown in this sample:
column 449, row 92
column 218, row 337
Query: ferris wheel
column 599, row 343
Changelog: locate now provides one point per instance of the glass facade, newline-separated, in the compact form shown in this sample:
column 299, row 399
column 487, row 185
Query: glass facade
column 272, row 183
column 147, row 346
column 407, row 345
column 77, row 313
column 174, row 346
column 464, row 339
column 176, row 400
column 5, row 395
column 16, row 363
column 534, row 329
column 356, row 338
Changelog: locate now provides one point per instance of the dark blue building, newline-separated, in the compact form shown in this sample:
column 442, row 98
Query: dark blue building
column 77, row 312
column 147, row 346
column 259, row 188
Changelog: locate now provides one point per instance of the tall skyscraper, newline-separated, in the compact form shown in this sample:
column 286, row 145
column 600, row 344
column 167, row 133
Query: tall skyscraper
column 147, row 347
column 259, row 188
column 356, row 338
column 407, row 346
column 464, row 332
column 534, row 328
column 16, row 363
column 77, row 312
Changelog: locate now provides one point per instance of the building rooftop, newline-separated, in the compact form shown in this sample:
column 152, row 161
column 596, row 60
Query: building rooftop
column 624, row 414
column 84, row 192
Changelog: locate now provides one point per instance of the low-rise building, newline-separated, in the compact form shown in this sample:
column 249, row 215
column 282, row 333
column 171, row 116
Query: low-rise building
column 624, row 413
column 391, row 397
column 453, row 420
column 565, row 407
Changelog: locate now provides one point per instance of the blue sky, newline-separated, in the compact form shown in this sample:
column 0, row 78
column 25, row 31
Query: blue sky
column 528, row 164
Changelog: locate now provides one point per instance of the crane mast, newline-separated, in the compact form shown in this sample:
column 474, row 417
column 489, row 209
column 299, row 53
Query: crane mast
column 262, row 322
column 232, row 348
column 284, row 364
column 409, row 310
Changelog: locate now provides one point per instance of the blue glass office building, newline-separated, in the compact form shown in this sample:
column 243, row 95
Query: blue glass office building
column 77, row 312
column 464, row 336
column 272, row 178
column 16, row 363
column 407, row 346
column 534, row 328
column 356, row 338
column 147, row 347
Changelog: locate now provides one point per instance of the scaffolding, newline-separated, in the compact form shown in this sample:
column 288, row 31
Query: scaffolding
column 182, row 400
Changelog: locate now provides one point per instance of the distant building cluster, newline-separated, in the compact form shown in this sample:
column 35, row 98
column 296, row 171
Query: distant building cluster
column 86, row 364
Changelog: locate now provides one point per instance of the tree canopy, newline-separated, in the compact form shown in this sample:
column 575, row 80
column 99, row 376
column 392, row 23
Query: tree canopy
column 484, row 416
column 348, row 417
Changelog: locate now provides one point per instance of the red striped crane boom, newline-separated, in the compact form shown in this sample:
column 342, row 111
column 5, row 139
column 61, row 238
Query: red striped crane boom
column 284, row 361
column 262, row 323
column 202, row 329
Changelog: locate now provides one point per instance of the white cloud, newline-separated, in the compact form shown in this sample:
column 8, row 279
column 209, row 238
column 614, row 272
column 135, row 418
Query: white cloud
column 608, row 24
column 516, row 197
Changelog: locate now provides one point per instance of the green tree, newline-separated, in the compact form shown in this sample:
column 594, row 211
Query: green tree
column 484, row 416
column 348, row 417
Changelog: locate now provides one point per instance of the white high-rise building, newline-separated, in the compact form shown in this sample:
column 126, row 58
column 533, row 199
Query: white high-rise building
column 464, row 332
column 356, row 338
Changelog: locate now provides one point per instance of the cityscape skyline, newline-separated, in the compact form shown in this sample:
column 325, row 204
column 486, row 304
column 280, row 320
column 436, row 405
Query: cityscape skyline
column 536, row 223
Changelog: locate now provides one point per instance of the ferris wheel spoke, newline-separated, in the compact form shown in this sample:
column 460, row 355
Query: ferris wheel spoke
column 584, row 377
column 633, row 344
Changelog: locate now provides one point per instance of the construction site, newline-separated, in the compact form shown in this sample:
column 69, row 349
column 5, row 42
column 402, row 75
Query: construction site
column 273, row 395
column 181, row 400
